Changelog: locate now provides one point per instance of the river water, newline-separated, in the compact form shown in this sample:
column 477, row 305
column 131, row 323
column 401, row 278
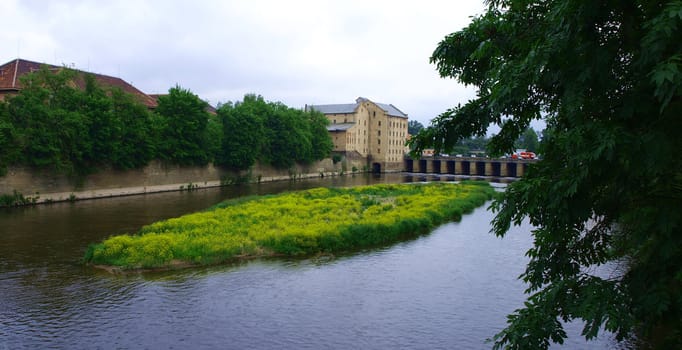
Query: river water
column 449, row 289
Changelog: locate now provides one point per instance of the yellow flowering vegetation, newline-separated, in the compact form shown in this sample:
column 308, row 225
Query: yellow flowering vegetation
column 321, row 220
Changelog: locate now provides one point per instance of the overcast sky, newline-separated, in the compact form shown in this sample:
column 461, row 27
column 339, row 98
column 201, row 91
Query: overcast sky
column 295, row 52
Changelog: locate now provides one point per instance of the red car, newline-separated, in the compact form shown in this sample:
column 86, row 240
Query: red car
column 523, row 155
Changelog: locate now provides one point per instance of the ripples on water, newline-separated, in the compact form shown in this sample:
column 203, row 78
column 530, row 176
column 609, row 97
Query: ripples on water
column 450, row 289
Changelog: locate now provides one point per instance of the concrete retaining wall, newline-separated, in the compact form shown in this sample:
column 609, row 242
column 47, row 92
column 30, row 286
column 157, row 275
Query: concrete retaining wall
column 156, row 177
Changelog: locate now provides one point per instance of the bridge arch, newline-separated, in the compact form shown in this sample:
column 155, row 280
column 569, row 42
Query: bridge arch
column 511, row 169
column 422, row 166
column 450, row 167
column 466, row 167
column 480, row 168
column 409, row 165
column 497, row 169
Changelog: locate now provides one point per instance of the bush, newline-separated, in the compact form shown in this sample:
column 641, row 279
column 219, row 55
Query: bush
column 297, row 223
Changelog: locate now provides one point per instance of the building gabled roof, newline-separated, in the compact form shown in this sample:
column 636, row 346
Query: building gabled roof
column 352, row 107
column 347, row 108
column 391, row 110
column 10, row 73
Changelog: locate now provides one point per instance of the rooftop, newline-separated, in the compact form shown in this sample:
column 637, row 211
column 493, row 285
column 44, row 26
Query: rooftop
column 11, row 72
column 351, row 107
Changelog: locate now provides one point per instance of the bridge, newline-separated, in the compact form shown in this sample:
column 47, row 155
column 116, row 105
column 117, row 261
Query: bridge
column 472, row 166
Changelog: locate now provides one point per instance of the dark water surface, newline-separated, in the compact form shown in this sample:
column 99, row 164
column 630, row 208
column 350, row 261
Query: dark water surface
column 450, row 289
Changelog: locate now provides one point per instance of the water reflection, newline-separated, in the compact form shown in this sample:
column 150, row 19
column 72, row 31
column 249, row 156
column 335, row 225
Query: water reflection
column 449, row 289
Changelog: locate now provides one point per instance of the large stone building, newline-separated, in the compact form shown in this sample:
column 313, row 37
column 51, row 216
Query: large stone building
column 372, row 131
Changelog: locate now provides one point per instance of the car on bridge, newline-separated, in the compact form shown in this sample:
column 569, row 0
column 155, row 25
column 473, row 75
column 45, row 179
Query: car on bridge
column 524, row 155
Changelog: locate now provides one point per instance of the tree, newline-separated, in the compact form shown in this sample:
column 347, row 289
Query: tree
column 288, row 137
column 320, row 141
column 134, row 139
column 413, row 127
column 63, row 121
column 9, row 147
column 272, row 133
column 607, row 78
column 183, row 134
column 528, row 140
column 51, row 129
column 243, row 132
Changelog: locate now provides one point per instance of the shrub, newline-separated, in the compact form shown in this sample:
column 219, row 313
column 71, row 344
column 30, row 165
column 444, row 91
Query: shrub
column 296, row 223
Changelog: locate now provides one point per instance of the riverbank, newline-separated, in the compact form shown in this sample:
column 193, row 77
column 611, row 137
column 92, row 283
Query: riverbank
column 25, row 186
column 321, row 220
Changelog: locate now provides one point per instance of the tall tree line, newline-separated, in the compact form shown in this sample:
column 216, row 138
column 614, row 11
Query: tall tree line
column 272, row 133
column 54, row 125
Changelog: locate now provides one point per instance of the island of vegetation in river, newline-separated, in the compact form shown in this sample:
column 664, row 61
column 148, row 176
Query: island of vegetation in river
column 321, row 220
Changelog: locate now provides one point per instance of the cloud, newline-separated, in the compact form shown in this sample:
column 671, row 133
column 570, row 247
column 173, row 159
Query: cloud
column 296, row 52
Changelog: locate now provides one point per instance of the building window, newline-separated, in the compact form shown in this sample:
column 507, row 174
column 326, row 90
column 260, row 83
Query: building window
column 379, row 133
column 380, row 123
column 378, row 142
column 334, row 121
column 374, row 114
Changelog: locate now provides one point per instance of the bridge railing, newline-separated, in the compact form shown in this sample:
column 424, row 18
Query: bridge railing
column 473, row 166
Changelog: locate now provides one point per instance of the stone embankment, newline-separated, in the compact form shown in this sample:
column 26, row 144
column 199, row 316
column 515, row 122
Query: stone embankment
column 41, row 187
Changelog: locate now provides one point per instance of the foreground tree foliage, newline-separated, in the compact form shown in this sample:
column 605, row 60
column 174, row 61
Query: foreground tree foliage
column 606, row 76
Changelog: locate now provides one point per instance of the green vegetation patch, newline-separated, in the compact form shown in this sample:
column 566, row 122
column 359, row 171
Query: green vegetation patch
column 321, row 220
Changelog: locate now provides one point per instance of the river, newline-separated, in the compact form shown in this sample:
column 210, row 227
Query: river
column 449, row 289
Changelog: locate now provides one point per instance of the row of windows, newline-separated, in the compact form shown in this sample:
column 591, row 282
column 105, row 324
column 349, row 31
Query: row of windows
column 390, row 142
column 398, row 124
column 391, row 134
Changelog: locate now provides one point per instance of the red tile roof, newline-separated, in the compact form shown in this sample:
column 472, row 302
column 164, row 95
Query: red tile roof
column 11, row 71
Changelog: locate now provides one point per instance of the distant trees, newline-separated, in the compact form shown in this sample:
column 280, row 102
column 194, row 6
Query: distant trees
column 134, row 144
column 58, row 126
column 320, row 141
column 63, row 121
column 8, row 143
column 243, row 132
column 470, row 145
column 479, row 144
column 271, row 132
column 528, row 140
column 413, row 127
column 183, row 128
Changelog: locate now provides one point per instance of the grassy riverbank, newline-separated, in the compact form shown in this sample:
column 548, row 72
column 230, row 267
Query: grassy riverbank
column 321, row 220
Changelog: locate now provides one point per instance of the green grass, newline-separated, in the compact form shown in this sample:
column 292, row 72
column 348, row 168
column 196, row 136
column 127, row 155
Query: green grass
column 321, row 220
